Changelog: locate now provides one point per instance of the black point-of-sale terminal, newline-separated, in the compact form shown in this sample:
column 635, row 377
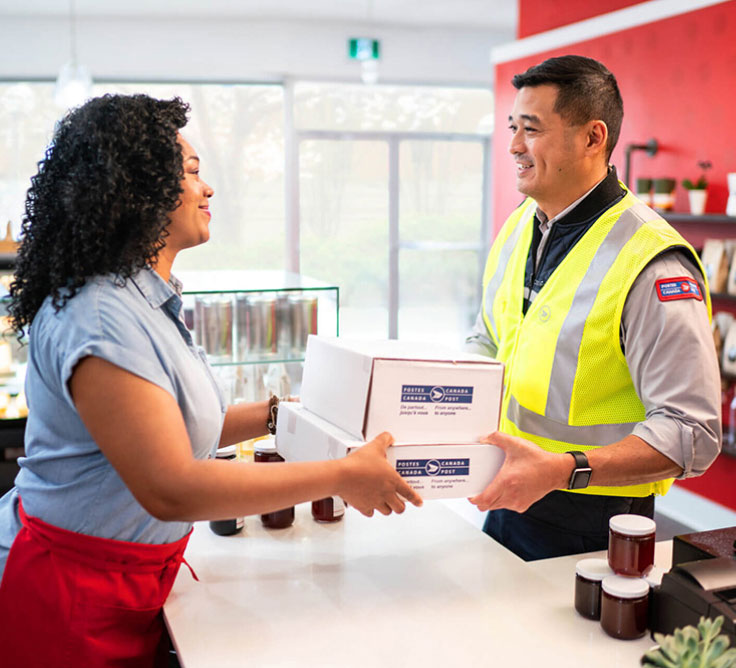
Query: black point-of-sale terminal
column 702, row 582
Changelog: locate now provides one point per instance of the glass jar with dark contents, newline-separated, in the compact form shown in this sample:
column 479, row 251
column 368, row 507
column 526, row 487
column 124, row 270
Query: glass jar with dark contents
column 264, row 451
column 624, row 606
column 588, row 576
column 330, row 509
column 631, row 544
column 232, row 526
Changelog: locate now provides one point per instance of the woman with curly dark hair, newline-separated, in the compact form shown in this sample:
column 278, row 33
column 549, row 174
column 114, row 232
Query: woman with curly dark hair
column 124, row 413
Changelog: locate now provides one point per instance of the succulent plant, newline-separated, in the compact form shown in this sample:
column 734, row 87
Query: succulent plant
column 692, row 647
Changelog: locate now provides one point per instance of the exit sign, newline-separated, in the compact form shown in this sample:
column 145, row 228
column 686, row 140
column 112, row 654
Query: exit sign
column 363, row 48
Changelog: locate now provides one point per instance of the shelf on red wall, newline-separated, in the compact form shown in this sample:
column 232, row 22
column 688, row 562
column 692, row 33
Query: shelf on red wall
column 675, row 217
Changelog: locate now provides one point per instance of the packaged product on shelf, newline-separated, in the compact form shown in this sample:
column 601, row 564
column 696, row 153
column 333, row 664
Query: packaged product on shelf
column 722, row 321
column 436, row 471
column 421, row 393
column 731, row 282
column 715, row 262
column 728, row 356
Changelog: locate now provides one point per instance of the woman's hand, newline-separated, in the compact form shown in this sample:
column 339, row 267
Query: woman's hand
column 368, row 482
column 527, row 474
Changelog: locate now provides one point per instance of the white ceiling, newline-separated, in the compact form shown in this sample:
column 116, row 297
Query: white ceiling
column 493, row 15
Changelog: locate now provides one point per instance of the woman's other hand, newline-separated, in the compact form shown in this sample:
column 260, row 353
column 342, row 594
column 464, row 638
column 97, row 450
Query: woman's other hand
column 368, row 482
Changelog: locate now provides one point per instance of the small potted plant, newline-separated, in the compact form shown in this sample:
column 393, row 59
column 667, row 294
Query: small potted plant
column 663, row 198
column 692, row 647
column 644, row 190
column 697, row 190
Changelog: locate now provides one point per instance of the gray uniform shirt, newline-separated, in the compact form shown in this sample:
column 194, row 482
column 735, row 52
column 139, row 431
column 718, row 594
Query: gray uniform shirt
column 669, row 349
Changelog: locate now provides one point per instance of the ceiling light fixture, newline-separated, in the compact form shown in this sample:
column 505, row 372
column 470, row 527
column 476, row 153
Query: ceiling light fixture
column 74, row 83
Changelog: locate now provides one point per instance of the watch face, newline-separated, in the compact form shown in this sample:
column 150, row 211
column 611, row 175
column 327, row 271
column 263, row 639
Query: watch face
column 580, row 478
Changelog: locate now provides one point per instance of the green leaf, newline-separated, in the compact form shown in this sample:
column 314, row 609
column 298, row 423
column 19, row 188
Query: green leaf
column 691, row 647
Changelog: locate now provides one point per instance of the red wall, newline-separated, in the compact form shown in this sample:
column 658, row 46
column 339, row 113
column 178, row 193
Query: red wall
column 540, row 15
column 678, row 80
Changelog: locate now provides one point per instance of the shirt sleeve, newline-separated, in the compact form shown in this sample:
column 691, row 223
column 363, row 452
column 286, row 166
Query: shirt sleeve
column 672, row 360
column 478, row 340
column 95, row 323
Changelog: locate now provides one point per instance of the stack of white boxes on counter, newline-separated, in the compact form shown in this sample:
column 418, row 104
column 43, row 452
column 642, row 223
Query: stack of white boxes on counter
column 437, row 404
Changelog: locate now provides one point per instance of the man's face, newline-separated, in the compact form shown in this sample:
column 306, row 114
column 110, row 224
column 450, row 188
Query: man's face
column 547, row 150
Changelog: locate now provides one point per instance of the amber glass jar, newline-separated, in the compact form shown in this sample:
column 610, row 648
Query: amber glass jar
column 330, row 509
column 264, row 451
column 588, row 576
column 631, row 544
column 227, row 527
column 624, row 606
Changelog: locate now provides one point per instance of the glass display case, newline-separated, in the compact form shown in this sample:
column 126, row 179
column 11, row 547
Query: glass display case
column 254, row 327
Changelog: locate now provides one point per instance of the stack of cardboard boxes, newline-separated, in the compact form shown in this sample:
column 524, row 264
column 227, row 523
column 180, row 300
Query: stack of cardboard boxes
column 435, row 402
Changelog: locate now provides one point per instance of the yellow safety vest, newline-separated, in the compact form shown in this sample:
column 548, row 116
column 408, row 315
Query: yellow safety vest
column 568, row 386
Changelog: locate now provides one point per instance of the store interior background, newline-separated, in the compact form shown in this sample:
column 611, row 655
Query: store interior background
column 418, row 213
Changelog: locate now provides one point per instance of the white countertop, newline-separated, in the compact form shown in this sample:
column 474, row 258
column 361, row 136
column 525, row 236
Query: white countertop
column 425, row 588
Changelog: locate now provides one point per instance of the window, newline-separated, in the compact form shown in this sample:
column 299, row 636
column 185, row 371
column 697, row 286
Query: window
column 392, row 191
column 237, row 130
column 392, row 185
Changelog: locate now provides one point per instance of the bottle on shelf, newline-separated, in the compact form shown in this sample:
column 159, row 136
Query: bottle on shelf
column 729, row 439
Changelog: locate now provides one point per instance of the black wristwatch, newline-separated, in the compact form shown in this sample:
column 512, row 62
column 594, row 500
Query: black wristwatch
column 580, row 476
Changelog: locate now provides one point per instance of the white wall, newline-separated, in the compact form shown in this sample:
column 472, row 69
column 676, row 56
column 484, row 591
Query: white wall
column 241, row 50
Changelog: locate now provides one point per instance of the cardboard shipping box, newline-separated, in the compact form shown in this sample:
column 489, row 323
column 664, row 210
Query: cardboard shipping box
column 421, row 393
column 435, row 471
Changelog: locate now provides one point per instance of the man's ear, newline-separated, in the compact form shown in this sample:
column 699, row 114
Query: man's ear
column 597, row 137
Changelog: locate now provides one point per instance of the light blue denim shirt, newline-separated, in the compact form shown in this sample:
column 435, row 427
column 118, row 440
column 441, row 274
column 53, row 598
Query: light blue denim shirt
column 65, row 479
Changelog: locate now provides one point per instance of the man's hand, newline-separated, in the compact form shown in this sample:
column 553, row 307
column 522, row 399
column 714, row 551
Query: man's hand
column 527, row 474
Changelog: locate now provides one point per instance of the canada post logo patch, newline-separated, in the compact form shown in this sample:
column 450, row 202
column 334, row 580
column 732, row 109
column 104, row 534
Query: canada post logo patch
column 683, row 287
column 437, row 394
column 433, row 468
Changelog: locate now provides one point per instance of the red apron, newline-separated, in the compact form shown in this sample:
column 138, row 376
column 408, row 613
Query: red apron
column 68, row 599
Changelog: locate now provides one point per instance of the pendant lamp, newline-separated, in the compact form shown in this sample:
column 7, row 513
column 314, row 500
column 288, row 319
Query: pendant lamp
column 74, row 83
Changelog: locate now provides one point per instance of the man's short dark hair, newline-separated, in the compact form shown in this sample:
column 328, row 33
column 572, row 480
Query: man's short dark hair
column 587, row 91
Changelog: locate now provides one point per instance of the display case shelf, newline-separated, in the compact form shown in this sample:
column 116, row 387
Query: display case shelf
column 253, row 326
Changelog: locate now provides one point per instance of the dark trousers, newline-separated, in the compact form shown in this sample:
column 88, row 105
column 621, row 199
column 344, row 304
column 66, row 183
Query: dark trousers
column 562, row 523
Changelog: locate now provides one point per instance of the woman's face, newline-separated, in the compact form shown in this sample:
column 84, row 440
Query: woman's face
column 189, row 222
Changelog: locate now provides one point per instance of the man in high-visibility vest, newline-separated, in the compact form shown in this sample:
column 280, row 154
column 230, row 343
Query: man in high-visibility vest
column 601, row 313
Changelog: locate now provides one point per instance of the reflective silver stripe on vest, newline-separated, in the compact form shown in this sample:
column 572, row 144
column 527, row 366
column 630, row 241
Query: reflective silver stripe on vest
column 564, row 364
column 533, row 423
column 503, row 259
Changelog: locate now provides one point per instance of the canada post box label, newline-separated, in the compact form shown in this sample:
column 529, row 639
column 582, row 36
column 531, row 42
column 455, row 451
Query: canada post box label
column 413, row 468
column 437, row 394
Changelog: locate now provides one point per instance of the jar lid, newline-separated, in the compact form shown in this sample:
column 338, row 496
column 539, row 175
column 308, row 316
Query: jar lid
column 227, row 452
column 654, row 576
column 625, row 587
column 632, row 525
column 593, row 569
column 265, row 445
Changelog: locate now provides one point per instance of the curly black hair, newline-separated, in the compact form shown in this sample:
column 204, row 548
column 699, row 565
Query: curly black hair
column 101, row 199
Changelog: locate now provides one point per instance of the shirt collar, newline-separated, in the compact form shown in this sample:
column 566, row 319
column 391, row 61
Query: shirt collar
column 154, row 289
column 542, row 217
